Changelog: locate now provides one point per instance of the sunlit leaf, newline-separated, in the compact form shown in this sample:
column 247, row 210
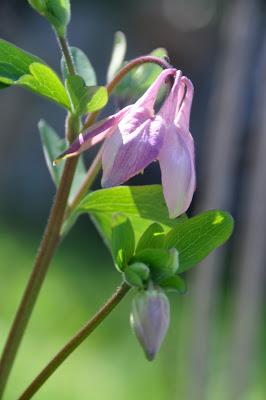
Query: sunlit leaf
column 198, row 236
column 123, row 240
column 44, row 81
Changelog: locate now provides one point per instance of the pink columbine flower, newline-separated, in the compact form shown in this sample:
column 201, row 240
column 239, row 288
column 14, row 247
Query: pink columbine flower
column 136, row 136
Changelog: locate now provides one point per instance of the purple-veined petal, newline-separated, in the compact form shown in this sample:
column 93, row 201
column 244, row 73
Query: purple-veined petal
column 87, row 139
column 126, row 153
column 177, row 165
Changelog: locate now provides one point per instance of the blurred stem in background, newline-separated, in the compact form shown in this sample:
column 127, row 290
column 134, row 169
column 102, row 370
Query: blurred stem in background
column 51, row 235
column 222, row 137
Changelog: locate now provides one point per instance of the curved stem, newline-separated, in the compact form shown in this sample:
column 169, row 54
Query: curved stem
column 120, row 75
column 76, row 340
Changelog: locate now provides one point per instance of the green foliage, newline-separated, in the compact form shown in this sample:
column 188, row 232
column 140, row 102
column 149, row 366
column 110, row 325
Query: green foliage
column 14, row 63
column 123, row 240
column 152, row 238
column 162, row 263
column 57, row 12
column 44, row 81
column 82, row 65
column 136, row 274
column 52, row 145
column 84, row 99
column 198, row 236
column 118, row 55
column 174, row 284
column 142, row 204
column 166, row 246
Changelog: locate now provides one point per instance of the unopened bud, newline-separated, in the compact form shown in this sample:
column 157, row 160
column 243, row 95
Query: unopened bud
column 149, row 320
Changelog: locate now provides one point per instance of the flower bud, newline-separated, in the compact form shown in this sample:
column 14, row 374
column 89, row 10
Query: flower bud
column 149, row 320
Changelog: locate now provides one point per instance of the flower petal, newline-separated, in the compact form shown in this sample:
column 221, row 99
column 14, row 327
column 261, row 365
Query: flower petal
column 148, row 99
column 85, row 140
column 176, row 160
column 183, row 111
column 168, row 109
column 126, row 153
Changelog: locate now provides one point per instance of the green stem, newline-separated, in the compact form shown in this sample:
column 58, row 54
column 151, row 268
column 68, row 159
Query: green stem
column 66, row 51
column 44, row 256
column 76, row 340
column 87, row 182
column 45, row 253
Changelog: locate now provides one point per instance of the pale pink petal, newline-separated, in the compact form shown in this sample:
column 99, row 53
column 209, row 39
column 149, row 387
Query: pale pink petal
column 125, row 155
column 168, row 109
column 148, row 99
column 100, row 130
column 183, row 111
column 176, row 160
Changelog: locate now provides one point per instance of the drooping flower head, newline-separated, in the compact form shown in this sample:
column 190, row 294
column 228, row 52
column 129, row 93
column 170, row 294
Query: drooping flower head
column 137, row 135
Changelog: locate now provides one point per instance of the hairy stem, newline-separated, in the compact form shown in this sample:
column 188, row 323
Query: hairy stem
column 76, row 340
column 67, row 55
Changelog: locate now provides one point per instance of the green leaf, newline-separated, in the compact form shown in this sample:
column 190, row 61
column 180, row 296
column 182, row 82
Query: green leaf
column 53, row 145
column 123, row 240
column 153, row 237
column 85, row 99
column 44, row 81
column 98, row 96
column 198, row 236
column 14, row 62
column 174, row 284
column 57, row 12
column 142, row 204
column 118, row 54
column 163, row 263
column 136, row 274
column 82, row 65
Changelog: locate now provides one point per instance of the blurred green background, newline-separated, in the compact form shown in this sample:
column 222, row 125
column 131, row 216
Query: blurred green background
column 215, row 348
